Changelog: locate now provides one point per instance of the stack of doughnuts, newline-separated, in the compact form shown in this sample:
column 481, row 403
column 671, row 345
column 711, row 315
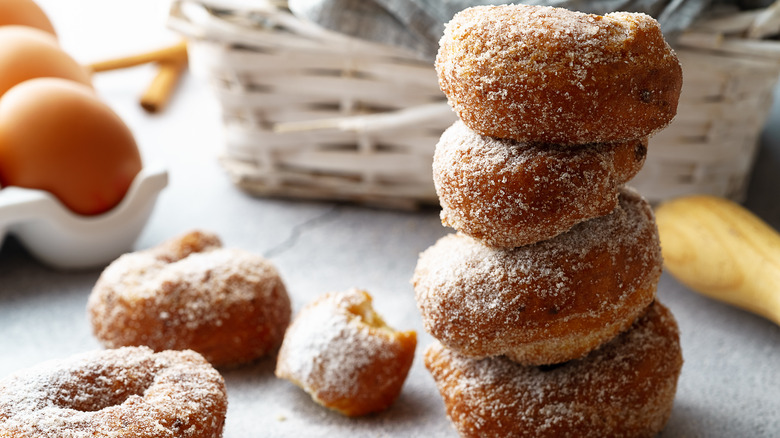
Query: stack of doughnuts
column 543, row 303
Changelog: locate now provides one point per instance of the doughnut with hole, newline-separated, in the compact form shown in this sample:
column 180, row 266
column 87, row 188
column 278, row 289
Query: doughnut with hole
column 545, row 74
column 624, row 389
column 229, row 305
column 507, row 193
column 130, row 392
column 549, row 302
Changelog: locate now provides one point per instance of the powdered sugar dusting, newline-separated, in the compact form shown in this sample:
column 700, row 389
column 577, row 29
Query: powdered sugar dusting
column 542, row 303
column 125, row 392
column 506, row 193
column 553, row 260
column 334, row 355
column 552, row 75
column 228, row 304
column 625, row 388
column 330, row 351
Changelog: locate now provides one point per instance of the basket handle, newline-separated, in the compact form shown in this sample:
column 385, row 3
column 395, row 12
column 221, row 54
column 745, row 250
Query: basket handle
column 742, row 34
column 766, row 23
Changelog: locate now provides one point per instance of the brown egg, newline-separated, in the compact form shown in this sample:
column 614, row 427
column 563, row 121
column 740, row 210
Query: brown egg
column 57, row 135
column 27, row 53
column 24, row 13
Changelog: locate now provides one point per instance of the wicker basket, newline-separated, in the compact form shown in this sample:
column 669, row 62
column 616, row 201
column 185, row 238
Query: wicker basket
column 310, row 113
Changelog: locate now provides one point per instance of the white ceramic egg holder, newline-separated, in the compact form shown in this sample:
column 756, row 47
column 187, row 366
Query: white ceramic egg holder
column 62, row 239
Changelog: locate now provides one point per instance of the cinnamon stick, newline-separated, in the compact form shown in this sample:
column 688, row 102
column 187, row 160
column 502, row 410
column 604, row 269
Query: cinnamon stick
column 160, row 90
column 173, row 52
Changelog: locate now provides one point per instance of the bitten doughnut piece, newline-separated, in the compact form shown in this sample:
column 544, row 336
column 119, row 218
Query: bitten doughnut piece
column 624, row 389
column 507, row 193
column 544, row 74
column 129, row 392
column 189, row 293
column 549, row 302
column 341, row 352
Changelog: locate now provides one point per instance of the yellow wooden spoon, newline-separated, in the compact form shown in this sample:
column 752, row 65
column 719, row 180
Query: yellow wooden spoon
column 719, row 249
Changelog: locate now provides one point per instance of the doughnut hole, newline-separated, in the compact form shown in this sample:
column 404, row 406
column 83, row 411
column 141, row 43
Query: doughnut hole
column 100, row 387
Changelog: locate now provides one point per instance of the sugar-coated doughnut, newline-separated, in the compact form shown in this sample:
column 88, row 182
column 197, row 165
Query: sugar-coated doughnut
column 508, row 193
column 544, row 74
column 129, row 392
column 624, row 389
column 341, row 352
column 549, row 302
column 189, row 293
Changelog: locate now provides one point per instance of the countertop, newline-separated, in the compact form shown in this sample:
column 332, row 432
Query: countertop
column 729, row 387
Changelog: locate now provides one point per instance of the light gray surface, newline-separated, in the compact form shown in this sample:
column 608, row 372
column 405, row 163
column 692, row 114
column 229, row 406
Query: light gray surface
column 730, row 386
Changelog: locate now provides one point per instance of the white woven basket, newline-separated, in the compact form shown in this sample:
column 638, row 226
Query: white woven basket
column 730, row 70
column 310, row 113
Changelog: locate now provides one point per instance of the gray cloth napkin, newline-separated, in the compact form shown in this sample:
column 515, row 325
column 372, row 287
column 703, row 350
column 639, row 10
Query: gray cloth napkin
column 417, row 25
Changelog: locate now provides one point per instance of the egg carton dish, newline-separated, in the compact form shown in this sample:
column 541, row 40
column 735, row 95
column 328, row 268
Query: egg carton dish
column 62, row 239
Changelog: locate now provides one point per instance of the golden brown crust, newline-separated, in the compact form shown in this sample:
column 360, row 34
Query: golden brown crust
column 175, row 249
column 188, row 293
column 544, row 303
column 507, row 193
column 340, row 351
column 624, row 389
column 543, row 74
column 122, row 393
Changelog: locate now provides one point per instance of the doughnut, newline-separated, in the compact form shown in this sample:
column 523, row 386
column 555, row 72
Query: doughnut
column 229, row 305
column 624, row 389
column 130, row 392
column 507, row 193
column 341, row 352
column 549, row 302
column 550, row 75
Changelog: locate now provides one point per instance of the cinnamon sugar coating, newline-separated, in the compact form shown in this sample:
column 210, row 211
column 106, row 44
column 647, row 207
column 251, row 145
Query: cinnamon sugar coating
column 340, row 351
column 507, row 193
column 130, row 392
column 549, row 302
column 189, row 293
column 624, row 389
column 544, row 74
